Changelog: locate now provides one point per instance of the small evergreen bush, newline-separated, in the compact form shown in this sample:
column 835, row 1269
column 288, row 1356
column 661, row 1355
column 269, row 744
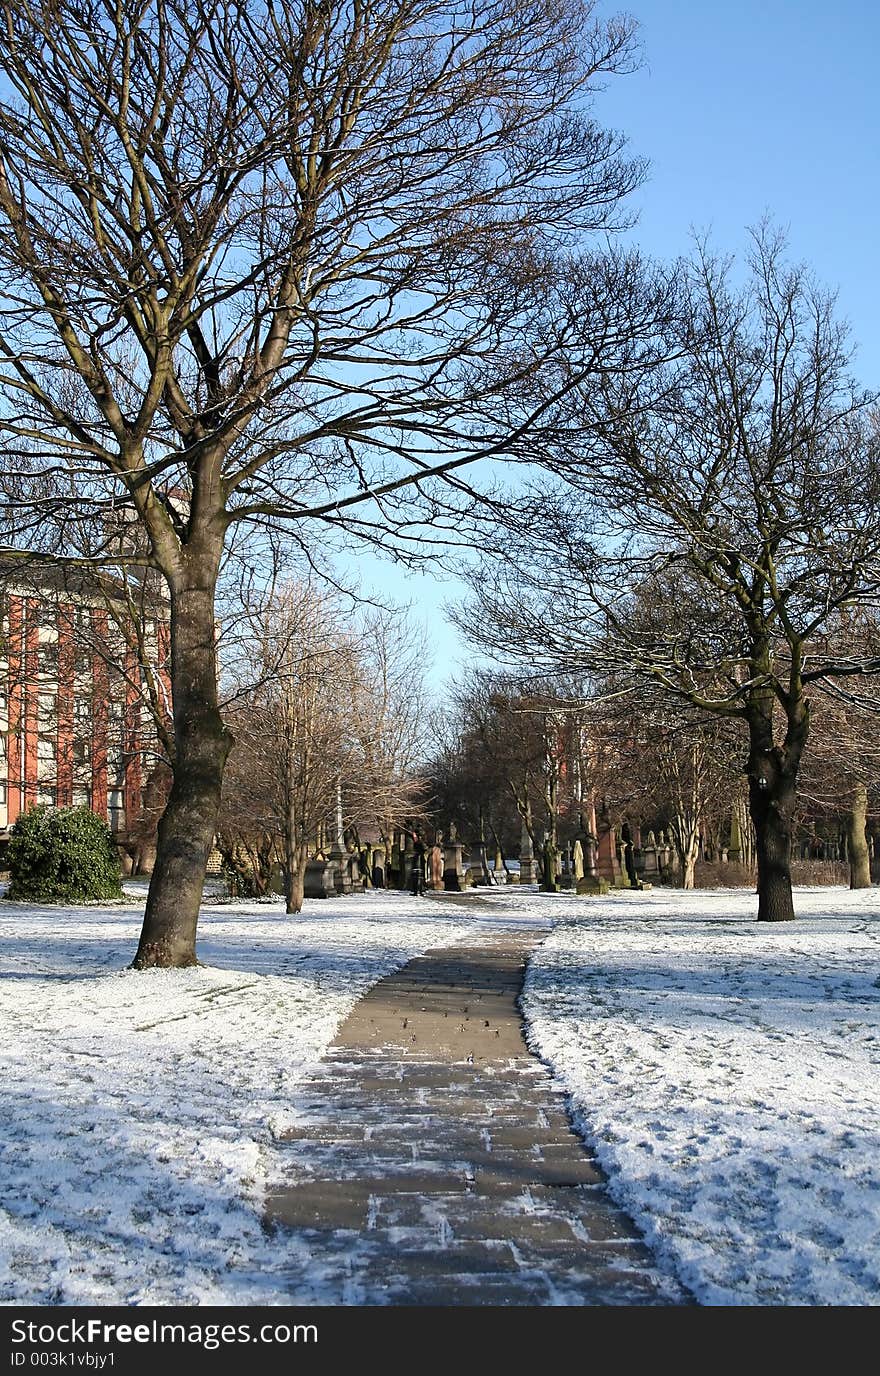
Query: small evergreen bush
column 62, row 855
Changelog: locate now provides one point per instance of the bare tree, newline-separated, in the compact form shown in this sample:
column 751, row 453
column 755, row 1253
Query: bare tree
column 326, row 726
column 662, row 762
column 516, row 754
column 293, row 741
column 841, row 771
column 271, row 266
column 388, row 721
column 719, row 512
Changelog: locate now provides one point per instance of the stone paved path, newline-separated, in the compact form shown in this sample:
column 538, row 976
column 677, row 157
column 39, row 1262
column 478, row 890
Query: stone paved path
column 435, row 1164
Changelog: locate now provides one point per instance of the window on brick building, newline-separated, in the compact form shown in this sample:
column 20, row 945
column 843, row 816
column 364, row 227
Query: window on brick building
column 46, row 713
column 82, row 722
column 115, row 765
column 45, row 757
column 47, row 657
column 116, row 743
column 116, row 809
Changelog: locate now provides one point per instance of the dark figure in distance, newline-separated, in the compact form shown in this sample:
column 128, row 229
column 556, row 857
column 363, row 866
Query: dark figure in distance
column 418, row 870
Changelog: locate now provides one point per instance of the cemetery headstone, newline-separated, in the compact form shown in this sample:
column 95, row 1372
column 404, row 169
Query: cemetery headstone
column 320, row 878
column 527, row 868
column 453, row 867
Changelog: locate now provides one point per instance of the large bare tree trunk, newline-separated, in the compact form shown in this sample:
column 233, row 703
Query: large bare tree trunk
column 186, row 831
column 772, row 805
column 859, row 859
column 772, row 773
column 296, row 856
column 294, row 887
column 685, row 833
column 771, row 817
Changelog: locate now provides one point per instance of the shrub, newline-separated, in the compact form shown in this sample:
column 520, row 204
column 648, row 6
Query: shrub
column 62, row 855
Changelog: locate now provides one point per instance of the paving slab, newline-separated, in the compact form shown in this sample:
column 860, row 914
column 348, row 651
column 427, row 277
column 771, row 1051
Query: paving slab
column 434, row 1162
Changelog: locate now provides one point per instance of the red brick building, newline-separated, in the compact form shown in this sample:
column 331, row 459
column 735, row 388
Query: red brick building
column 82, row 676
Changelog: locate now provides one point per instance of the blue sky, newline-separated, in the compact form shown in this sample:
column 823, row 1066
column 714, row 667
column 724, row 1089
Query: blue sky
column 741, row 108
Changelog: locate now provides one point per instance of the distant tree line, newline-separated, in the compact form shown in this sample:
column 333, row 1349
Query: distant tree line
column 553, row 763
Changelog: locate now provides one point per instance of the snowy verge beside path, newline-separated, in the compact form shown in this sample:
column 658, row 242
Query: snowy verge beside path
column 139, row 1109
column 727, row 1073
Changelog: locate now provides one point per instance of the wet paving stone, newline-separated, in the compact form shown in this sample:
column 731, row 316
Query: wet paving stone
column 434, row 1163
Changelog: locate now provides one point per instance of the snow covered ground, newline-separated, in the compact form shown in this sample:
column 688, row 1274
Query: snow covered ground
column 729, row 1076
column 139, row 1110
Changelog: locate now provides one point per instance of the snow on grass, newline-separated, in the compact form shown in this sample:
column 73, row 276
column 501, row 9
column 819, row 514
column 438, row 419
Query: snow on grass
column 140, row 1109
column 727, row 1073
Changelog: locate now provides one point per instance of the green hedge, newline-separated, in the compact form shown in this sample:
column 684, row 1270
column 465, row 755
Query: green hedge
column 62, row 855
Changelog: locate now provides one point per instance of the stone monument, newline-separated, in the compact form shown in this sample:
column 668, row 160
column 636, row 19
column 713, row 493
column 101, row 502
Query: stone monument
column 566, row 874
column 339, row 857
column 453, row 866
column 435, row 859
column 527, row 868
column 320, row 878
column 607, row 863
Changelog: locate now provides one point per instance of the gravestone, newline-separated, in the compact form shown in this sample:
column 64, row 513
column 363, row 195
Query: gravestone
column 320, row 878
column 339, row 857
column 434, row 878
column 498, row 870
column 453, row 866
column 527, row 867
column 650, row 867
column 550, row 882
column 341, row 862
column 607, row 863
column 665, row 857
column 592, row 886
column 637, row 852
column 358, row 879
column 628, row 876
column 587, row 882
column 566, row 874
column 407, row 863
